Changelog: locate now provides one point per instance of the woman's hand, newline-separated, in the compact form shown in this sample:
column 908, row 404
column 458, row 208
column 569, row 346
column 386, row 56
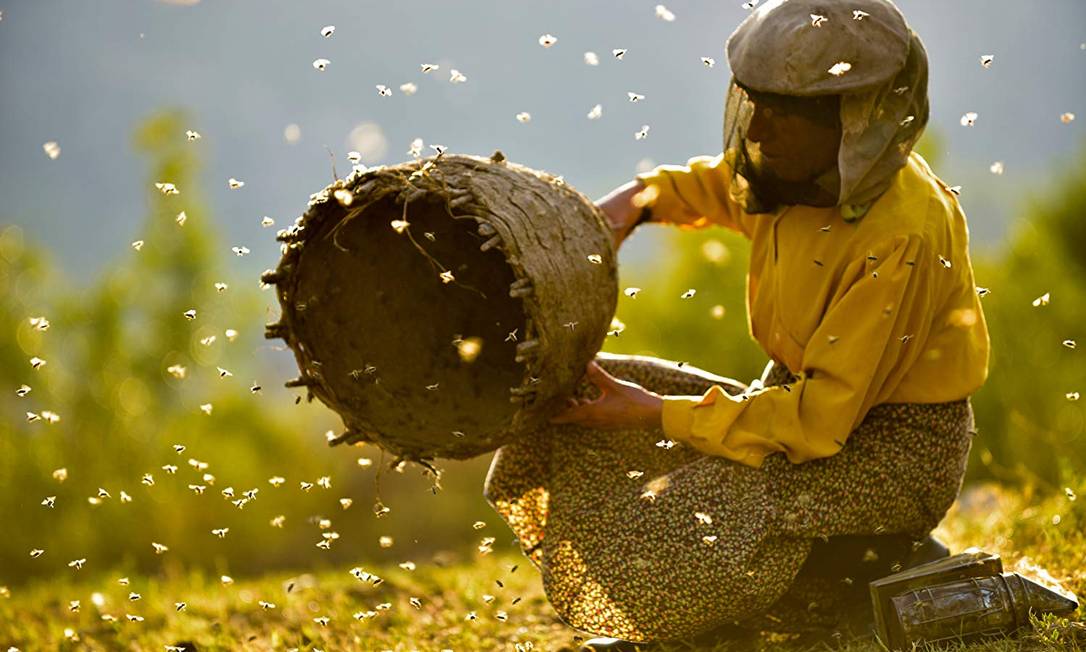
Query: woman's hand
column 620, row 211
column 621, row 404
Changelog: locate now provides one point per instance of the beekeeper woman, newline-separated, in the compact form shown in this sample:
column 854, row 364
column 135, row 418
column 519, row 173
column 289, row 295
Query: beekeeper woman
column 861, row 292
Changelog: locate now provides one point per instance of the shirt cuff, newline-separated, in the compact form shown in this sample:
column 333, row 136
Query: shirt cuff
column 678, row 416
column 703, row 423
column 664, row 199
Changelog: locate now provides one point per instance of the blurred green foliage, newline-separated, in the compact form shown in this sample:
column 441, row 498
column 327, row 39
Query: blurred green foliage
column 708, row 330
column 1031, row 423
column 111, row 344
column 108, row 351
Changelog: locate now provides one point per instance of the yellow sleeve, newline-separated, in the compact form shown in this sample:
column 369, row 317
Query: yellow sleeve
column 694, row 195
column 863, row 346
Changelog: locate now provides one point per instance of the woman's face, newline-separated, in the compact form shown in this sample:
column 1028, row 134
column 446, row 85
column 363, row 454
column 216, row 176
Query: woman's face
column 796, row 143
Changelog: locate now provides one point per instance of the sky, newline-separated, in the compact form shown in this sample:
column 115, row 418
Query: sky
column 84, row 74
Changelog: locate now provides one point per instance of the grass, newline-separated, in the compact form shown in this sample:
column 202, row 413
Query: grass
column 477, row 603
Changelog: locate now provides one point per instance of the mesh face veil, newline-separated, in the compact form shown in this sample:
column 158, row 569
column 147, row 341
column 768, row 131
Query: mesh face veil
column 754, row 183
column 883, row 105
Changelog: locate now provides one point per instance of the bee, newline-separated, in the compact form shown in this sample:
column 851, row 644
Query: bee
column 839, row 68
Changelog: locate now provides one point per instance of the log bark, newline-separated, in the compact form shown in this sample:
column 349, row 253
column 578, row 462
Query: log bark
column 445, row 305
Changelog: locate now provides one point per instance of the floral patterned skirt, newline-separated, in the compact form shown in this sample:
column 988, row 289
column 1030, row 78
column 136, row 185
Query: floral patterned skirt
column 644, row 541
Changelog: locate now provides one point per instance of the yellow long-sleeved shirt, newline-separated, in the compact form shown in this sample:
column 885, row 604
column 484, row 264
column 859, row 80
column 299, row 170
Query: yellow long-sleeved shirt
column 883, row 309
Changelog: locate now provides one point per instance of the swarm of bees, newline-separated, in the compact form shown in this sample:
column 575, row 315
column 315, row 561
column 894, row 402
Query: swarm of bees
column 466, row 348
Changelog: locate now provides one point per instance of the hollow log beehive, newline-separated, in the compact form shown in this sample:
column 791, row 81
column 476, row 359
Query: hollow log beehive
column 445, row 305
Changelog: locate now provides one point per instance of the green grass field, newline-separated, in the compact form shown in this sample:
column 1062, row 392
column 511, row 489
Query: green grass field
column 449, row 603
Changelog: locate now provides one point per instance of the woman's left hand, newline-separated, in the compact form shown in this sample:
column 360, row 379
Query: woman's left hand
column 621, row 404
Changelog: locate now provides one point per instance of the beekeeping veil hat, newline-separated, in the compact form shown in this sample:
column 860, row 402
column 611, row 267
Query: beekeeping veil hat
column 862, row 50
